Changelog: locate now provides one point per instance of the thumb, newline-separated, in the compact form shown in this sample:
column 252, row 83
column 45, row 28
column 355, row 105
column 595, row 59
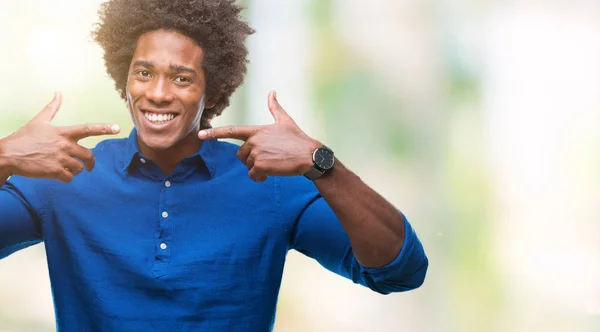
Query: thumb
column 276, row 110
column 48, row 113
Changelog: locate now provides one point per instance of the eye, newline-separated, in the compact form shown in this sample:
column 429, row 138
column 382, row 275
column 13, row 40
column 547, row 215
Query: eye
column 182, row 79
column 143, row 73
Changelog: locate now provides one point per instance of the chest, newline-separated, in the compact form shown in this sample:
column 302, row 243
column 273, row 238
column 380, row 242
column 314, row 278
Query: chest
column 171, row 229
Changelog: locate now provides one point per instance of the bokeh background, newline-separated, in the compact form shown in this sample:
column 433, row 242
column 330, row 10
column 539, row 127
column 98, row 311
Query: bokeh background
column 479, row 119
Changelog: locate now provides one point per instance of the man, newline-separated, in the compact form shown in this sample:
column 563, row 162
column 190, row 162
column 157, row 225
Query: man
column 168, row 230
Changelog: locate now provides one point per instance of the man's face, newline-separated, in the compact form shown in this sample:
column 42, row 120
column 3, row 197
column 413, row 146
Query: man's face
column 166, row 88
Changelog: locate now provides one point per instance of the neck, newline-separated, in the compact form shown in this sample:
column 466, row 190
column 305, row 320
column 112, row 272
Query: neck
column 168, row 159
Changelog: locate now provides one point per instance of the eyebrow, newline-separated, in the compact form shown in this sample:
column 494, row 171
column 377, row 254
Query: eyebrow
column 176, row 68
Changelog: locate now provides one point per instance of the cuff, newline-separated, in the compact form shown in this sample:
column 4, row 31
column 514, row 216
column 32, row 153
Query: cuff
column 400, row 263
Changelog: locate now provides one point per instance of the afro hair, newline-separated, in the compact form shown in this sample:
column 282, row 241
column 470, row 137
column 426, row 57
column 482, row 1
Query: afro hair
column 215, row 25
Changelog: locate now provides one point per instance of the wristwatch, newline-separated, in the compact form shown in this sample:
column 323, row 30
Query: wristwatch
column 323, row 161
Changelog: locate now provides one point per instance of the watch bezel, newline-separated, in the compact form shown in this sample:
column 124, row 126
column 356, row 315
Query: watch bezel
column 320, row 166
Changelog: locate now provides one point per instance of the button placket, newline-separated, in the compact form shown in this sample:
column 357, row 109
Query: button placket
column 164, row 237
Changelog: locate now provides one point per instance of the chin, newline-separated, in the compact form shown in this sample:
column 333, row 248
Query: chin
column 157, row 142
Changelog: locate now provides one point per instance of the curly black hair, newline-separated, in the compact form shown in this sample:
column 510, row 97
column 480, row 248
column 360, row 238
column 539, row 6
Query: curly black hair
column 215, row 25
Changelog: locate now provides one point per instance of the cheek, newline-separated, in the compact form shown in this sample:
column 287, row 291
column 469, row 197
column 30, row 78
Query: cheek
column 133, row 90
column 199, row 107
column 129, row 97
column 129, row 90
column 194, row 105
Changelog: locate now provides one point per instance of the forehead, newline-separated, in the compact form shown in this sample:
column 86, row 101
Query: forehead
column 163, row 47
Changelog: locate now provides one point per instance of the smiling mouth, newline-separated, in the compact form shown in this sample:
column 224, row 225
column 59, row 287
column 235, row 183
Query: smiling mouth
column 157, row 118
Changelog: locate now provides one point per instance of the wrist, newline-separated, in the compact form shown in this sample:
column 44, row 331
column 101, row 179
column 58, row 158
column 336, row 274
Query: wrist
column 322, row 161
column 6, row 167
column 331, row 173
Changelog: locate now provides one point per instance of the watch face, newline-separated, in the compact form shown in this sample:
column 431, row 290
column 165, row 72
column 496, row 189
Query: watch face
column 324, row 158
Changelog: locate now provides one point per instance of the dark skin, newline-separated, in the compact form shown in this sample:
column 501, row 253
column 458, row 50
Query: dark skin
column 40, row 150
column 166, row 78
column 374, row 226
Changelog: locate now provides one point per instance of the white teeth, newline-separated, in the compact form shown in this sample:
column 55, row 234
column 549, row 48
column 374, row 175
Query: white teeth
column 153, row 117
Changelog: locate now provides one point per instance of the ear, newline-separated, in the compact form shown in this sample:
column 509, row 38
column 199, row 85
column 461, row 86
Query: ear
column 210, row 103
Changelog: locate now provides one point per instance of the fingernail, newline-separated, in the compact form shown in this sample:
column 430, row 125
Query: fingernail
column 115, row 128
column 275, row 94
column 202, row 134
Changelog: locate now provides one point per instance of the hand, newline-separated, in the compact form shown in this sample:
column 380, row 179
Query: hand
column 281, row 148
column 39, row 150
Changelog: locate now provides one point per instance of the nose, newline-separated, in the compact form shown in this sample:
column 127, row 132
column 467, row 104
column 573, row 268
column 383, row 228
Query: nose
column 159, row 91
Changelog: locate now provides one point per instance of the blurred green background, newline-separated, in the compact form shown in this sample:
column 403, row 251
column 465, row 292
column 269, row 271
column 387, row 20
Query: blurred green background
column 479, row 119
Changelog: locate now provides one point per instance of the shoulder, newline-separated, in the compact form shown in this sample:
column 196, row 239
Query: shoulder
column 35, row 193
column 111, row 152
column 39, row 189
column 108, row 146
column 287, row 186
column 221, row 157
column 225, row 150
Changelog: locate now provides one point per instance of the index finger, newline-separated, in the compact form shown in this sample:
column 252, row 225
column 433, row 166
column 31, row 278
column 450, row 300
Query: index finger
column 78, row 132
column 235, row 132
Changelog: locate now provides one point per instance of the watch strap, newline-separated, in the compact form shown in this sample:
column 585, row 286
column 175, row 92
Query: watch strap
column 314, row 174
